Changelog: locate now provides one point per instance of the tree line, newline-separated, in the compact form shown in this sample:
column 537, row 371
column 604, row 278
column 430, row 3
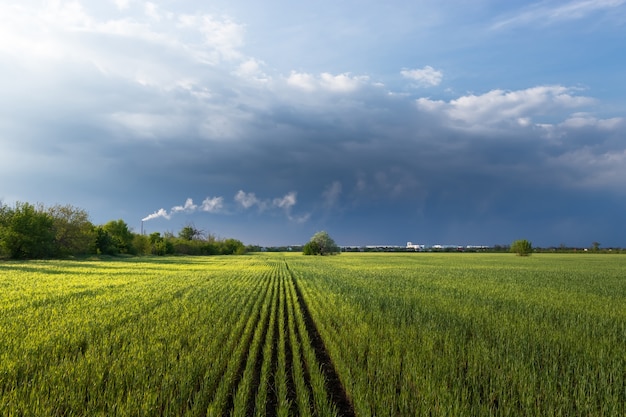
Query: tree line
column 30, row 231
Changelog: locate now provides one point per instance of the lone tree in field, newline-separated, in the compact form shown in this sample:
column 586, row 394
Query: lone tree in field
column 522, row 247
column 321, row 244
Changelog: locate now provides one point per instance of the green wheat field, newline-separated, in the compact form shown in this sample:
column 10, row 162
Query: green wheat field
column 360, row 334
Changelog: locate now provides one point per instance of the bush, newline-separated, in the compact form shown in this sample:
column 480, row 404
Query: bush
column 522, row 247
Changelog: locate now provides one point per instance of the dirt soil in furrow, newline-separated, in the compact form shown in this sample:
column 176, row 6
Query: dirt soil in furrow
column 334, row 386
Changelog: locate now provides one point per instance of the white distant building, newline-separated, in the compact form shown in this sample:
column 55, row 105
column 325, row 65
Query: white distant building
column 415, row 247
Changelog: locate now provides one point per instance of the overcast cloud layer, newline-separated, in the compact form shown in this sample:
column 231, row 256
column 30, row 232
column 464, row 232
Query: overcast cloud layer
column 464, row 123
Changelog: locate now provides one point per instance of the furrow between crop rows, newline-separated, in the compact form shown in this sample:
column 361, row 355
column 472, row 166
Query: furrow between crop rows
column 329, row 393
column 249, row 377
column 266, row 362
column 225, row 342
column 282, row 378
column 302, row 384
column 223, row 400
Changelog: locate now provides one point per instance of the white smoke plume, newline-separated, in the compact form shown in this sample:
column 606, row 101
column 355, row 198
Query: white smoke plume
column 156, row 215
column 210, row 205
column 242, row 198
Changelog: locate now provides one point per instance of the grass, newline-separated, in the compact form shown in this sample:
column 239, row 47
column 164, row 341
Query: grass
column 406, row 334
column 477, row 334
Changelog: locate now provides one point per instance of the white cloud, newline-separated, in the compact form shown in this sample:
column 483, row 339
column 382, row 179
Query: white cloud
column 251, row 70
column 212, row 204
column 580, row 120
column 58, row 31
column 302, row 81
column 430, row 105
column 146, row 125
column 152, row 11
column 341, row 83
column 552, row 12
column 594, row 169
column 189, row 207
column 425, row 77
column 498, row 107
column 303, row 218
column 286, row 202
column 246, row 200
column 222, row 34
column 331, row 194
column 122, row 4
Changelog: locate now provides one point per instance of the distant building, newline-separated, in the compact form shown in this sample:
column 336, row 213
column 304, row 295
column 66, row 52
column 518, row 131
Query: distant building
column 415, row 247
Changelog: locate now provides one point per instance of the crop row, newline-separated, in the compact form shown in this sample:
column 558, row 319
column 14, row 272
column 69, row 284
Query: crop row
column 498, row 336
column 194, row 337
column 285, row 335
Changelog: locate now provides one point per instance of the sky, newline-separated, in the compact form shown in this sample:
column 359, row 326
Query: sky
column 458, row 122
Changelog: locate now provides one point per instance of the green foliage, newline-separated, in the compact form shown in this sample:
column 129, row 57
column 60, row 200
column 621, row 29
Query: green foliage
column 104, row 243
column 311, row 248
column 190, row 232
column 161, row 246
column 142, row 244
column 192, row 241
column 321, row 244
column 232, row 247
column 26, row 232
column 522, row 247
column 29, row 232
column 74, row 232
column 121, row 235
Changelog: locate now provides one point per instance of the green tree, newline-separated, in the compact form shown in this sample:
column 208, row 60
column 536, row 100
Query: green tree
column 142, row 245
column 161, row 245
column 232, row 247
column 320, row 244
column 121, row 235
column 74, row 232
column 311, row 248
column 26, row 232
column 103, row 242
column 190, row 232
column 522, row 247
